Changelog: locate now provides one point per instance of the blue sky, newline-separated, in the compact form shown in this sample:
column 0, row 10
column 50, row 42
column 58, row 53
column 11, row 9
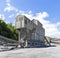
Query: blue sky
column 46, row 11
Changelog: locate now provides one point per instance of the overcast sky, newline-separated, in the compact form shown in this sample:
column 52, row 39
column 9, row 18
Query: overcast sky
column 46, row 11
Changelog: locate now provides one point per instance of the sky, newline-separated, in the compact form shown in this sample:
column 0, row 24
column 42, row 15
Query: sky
column 46, row 11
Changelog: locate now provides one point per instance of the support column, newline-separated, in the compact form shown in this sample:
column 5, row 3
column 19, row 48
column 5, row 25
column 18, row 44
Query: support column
column 19, row 38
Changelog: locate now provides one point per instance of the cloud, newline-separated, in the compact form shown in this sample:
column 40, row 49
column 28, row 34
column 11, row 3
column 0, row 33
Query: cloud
column 2, row 16
column 26, row 13
column 8, row 1
column 58, row 23
column 12, row 15
column 51, row 29
column 9, row 7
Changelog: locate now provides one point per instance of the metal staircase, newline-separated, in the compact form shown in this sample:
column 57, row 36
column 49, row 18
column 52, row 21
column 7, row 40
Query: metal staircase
column 46, row 41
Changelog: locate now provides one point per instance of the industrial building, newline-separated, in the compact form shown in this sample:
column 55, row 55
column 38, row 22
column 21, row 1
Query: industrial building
column 31, row 32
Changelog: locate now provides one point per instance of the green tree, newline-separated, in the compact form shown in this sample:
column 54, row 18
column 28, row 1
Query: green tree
column 8, row 30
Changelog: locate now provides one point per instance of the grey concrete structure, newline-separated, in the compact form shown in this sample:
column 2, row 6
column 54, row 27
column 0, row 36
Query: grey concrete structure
column 31, row 33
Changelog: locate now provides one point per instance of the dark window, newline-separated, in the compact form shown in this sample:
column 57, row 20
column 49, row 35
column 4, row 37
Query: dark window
column 35, row 43
column 28, row 43
column 25, row 21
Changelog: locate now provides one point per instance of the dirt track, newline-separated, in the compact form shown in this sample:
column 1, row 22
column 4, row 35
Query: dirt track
column 48, row 52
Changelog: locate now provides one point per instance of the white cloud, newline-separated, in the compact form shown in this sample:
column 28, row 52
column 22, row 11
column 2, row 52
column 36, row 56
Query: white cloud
column 28, row 14
column 51, row 29
column 11, row 15
column 2, row 16
column 20, row 12
column 7, row 1
column 9, row 7
column 58, row 23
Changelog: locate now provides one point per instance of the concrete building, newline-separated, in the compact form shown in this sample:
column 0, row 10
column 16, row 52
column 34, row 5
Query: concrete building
column 31, row 33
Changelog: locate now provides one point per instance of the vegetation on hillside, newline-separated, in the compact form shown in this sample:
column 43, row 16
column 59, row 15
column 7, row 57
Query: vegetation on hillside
column 8, row 30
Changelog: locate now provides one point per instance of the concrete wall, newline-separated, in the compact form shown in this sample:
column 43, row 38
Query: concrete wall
column 19, row 22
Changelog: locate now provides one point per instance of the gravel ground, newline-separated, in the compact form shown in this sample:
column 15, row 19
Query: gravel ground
column 47, row 52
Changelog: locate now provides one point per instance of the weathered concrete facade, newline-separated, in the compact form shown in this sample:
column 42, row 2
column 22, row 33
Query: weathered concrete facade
column 31, row 33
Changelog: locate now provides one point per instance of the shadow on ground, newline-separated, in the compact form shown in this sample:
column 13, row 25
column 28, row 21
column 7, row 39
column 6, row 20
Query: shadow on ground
column 47, row 46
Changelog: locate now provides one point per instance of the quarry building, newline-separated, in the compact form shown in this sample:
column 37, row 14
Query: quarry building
column 31, row 32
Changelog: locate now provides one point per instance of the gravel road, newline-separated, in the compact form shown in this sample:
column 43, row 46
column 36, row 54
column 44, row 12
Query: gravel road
column 48, row 52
